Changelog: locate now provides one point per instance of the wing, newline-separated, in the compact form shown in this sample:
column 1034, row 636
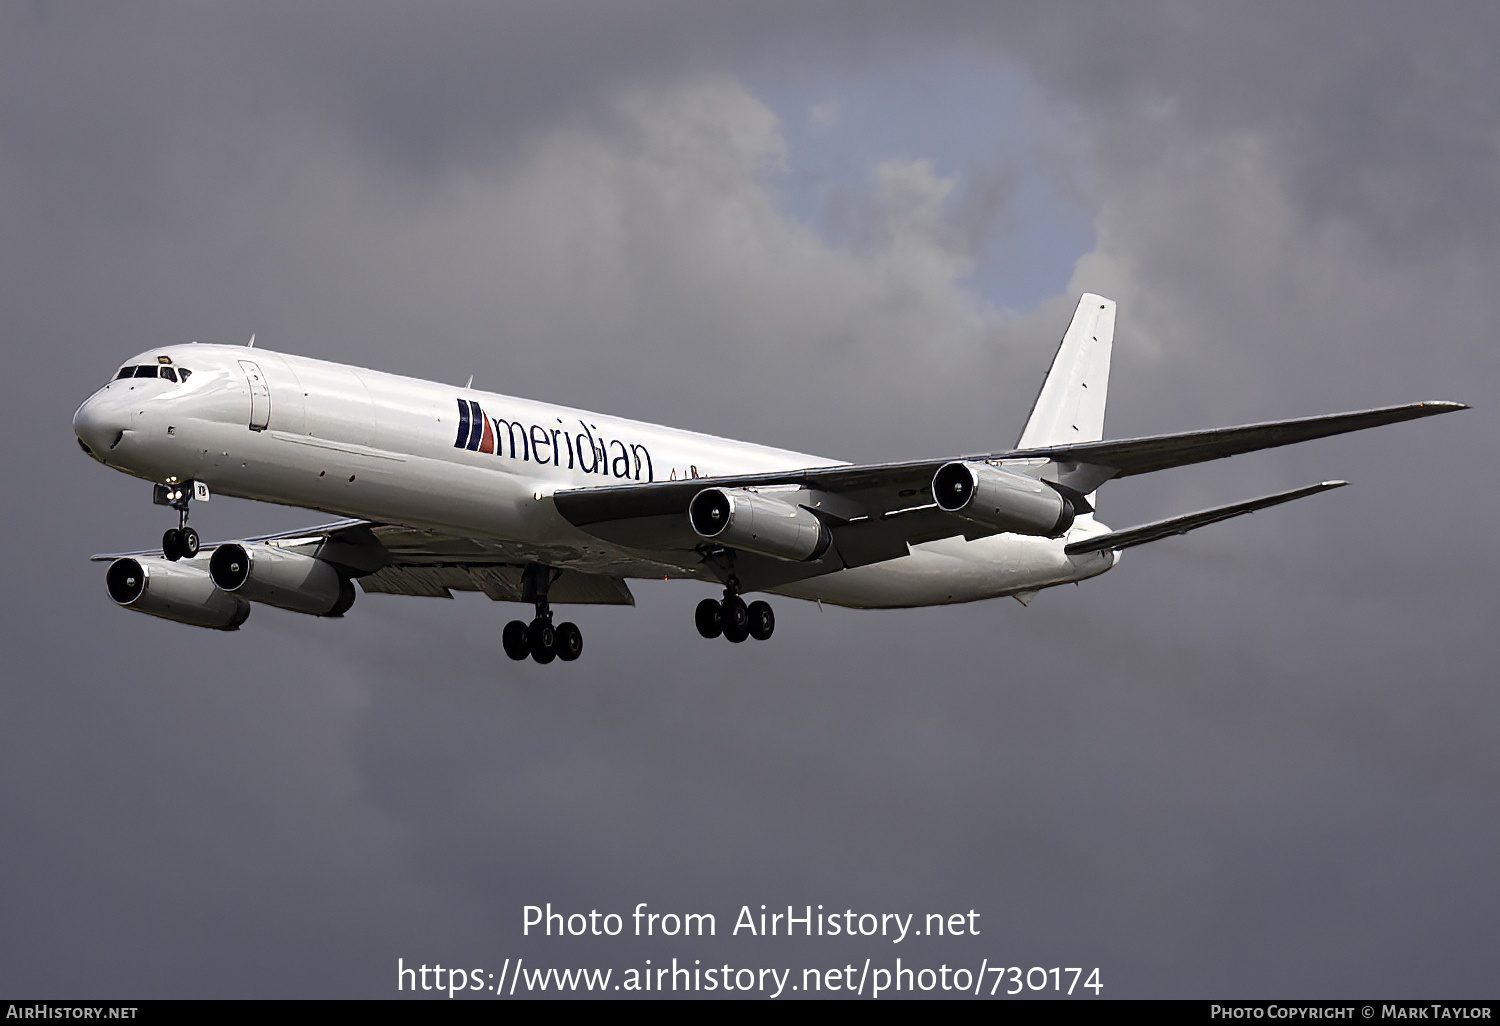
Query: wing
column 323, row 530
column 1097, row 462
column 875, row 511
column 436, row 565
column 392, row 560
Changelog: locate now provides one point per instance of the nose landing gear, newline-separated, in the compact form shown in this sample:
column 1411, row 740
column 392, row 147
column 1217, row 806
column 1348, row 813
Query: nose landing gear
column 732, row 618
column 180, row 542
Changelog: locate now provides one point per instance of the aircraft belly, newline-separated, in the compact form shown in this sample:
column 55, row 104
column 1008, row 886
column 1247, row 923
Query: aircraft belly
column 371, row 485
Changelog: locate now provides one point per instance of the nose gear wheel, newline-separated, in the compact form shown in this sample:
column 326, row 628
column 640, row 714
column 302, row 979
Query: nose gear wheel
column 180, row 542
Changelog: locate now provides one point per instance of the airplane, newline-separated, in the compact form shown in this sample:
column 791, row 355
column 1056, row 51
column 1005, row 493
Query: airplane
column 445, row 489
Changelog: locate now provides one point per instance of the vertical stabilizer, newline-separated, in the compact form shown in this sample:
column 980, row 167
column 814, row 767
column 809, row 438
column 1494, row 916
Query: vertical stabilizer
column 1070, row 407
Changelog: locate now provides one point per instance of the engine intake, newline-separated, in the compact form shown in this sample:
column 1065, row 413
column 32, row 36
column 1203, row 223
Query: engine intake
column 741, row 519
column 174, row 591
column 1002, row 500
column 290, row 580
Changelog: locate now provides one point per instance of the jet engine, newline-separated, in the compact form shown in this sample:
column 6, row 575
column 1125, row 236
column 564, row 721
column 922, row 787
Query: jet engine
column 742, row 519
column 265, row 573
column 1002, row 500
column 175, row 591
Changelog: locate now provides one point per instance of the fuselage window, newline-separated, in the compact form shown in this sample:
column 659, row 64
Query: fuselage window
column 184, row 372
column 146, row 370
column 169, row 373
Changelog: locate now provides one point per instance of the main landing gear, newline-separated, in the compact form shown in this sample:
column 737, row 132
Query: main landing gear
column 539, row 638
column 542, row 641
column 180, row 542
column 733, row 618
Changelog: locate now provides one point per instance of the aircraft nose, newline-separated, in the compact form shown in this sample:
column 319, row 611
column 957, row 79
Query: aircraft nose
column 100, row 423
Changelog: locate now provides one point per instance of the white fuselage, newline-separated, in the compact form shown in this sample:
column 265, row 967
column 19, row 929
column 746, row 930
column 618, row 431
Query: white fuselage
column 361, row 443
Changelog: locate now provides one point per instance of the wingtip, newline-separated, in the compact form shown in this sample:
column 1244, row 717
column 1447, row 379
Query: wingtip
column 1443, row 405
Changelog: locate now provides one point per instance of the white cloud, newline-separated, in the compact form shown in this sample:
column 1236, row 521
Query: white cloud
column 650, row 248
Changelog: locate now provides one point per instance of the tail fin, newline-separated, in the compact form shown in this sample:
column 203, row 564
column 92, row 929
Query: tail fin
column 1070, row 407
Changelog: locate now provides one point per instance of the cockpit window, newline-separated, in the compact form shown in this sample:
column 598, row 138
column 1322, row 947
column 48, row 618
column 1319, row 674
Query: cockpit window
column 152, row 370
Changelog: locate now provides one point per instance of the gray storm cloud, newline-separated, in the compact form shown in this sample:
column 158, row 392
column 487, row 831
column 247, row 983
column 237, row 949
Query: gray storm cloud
column 1255, row 761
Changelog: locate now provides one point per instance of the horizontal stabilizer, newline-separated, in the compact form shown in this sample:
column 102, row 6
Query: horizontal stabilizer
column 1191, row 522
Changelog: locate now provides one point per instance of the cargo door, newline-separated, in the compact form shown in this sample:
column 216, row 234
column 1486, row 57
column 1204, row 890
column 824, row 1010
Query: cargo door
column 260, row 396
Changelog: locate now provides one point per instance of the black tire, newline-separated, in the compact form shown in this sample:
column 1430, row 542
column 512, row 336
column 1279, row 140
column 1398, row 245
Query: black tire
column 762, row 621
column 188, row 543
column 709, row 618
column 542, row 637
column 171, row 547
column 569, row 642
column 736, row 620
column 513, row 638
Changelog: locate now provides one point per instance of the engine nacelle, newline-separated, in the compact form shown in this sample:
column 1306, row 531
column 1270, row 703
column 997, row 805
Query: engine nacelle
column 1002, row 500
column 741, row 519
column 175, row 591
column 290, row 580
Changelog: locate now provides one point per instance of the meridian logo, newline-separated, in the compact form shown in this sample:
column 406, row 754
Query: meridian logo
column 587, row 451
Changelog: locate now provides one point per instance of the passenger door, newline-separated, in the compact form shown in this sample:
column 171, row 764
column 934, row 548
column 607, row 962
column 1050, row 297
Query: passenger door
column 260, row 396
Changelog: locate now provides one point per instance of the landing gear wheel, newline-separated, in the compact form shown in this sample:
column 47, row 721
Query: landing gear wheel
column 181, row 542
column 514, row 640
column 709, row 618
column 762, row 620
column 542, row 637
column 569, row 642
column 736, row 620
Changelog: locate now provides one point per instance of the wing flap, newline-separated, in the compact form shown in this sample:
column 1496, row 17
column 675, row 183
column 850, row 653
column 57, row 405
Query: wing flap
column 1191, row 522
column 876, row 539
column 500, row 583
column 425, row 581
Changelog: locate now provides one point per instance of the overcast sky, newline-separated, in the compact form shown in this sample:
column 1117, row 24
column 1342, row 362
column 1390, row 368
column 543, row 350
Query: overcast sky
column 1256, row 761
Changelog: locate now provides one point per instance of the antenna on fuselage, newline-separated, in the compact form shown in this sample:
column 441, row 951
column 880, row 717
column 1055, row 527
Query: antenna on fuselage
column 471, row 382
column 251, row 343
